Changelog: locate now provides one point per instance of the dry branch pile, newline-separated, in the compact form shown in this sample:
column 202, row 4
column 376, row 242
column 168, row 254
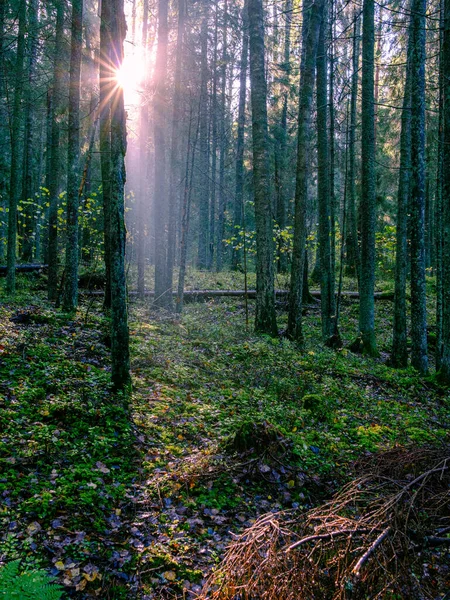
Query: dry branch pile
column 377, row 538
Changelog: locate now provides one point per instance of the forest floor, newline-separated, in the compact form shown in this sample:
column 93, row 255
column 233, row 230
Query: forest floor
column 137, row 497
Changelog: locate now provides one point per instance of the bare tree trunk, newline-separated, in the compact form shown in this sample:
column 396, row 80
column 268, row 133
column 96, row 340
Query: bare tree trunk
column 120, row 354
column 14, row 186
column 54, row 183
column 175, row 148
column 223, row 143
column 159, row 122
column 238, row 212
column 323, row 192
column 353, row 258
column 312, row 14
column 399, row 356
column 28, row 151
column 419, row 354
column 367, row 341
column 203, row 163
column 73, row 159
column 143, row 156
column 265, row 318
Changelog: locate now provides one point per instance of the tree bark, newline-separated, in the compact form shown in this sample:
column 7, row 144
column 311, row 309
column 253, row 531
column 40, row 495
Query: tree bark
column 143, row 167
column 203, row 163
column 328, row 305
column 419, row 355
column 120, row 353
column 353, row 258
column 223, row 143
column 399, row 356
column 368, row 199
column 14, row 186
column 70, row 300
column 312, row 14
column 106, row 90
column 162, row 298
column 445, row 352
column 54, row 183
column 238, row 211
column 265, row 318
column 175, row 173
column 28, row 152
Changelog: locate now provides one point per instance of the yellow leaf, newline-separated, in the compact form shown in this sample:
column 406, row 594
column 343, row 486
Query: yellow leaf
column 170, row 575
column 59, row 565
column 291, row 484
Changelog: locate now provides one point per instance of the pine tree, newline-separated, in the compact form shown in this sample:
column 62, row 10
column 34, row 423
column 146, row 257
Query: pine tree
column 265, row 318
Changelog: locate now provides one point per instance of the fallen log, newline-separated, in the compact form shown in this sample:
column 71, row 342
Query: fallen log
column 194, row 295
column 23, row 269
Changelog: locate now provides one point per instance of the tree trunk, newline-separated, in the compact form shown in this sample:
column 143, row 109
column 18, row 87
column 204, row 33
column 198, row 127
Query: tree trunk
column 175, row 170
column 312, row 14
column 203, row 163
column 14, row 187
column 445, row 352
column 323, row 191
column 4, row 162
column 281, row 156
column 106, row 90
column 439, row 211
column 73, row 159
column 265, row 318
column 162, row 298
column 120, row 354
column 368, row 200
column 399, row 356
column 54, row 183
column 238, row 210
column 223, row 143
column 213, row 144
column 143, row 167
column 419, row 356
column 28, row 152
column 353, row 258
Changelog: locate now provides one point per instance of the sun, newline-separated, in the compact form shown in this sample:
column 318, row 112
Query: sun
column 131, row 76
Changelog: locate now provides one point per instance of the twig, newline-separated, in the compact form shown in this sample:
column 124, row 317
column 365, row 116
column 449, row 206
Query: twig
column 365, row 557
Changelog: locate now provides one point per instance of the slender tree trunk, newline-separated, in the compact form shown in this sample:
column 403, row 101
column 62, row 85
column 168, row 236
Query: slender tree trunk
column 238, row 211
column 419, row 355
column 203, row 166
column 399, row 356
column 175, row 148
column 265, row 318
column 143, row 166
column 368, row 199
column 353, row 258
column 54, row 183
column 70, row 300
column 281, row 157
column 161, row 297
column 439, row 211
column 14, row 186
column 223, row 143
column 213, row 144
column 445, row 352
column 120, row 354
column 28, row 151
column 106, row 90
column 4, row 136
column 312, row 14
column 186, row 210
column 332, row 165
column 327, row 299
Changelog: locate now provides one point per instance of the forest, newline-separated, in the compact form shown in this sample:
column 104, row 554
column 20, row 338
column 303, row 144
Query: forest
column 225, row 299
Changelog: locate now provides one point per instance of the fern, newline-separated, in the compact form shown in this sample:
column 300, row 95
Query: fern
column 29, row 585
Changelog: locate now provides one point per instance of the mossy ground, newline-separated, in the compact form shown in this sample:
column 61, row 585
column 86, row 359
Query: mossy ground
column 135, row 496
